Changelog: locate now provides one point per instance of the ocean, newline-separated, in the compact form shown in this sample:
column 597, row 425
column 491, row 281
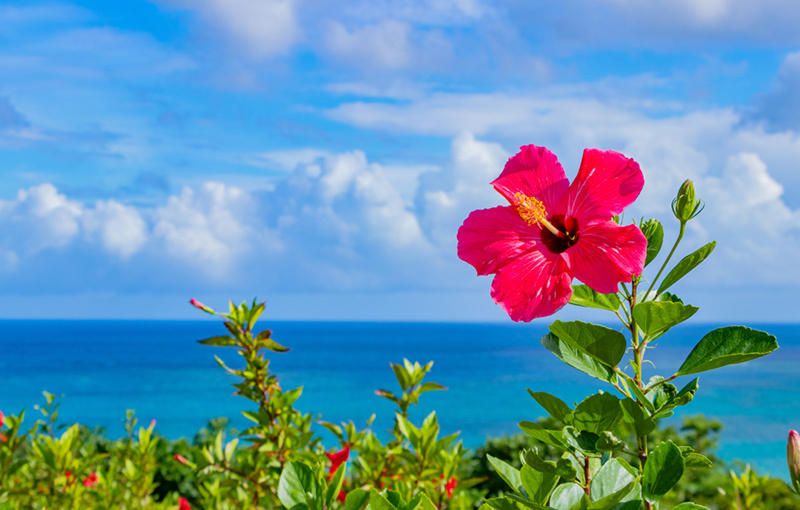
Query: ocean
column 103, row 368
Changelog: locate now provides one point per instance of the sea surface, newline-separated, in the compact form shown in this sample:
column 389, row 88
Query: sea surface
column 103, row 368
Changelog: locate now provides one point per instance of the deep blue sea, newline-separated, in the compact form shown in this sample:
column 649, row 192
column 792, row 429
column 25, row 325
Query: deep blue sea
column 156, row 367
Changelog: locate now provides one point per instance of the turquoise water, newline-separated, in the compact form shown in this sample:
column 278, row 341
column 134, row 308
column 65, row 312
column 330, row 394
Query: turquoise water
column 105, row 367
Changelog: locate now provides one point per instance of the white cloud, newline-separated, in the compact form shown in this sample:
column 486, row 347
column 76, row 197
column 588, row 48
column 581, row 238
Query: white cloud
column 208, row 228
column 120, row 228
column 474, row 165
column 39, row 218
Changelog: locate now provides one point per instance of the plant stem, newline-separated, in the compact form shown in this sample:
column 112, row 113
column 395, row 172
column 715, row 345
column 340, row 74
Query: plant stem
column 664, row 265
column 638, row 355
column 586, row 476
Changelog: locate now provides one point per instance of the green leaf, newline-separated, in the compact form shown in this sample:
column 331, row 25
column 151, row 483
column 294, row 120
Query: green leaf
column 690, row 506
column 263, row 340
column 576, row 359
column 538, row 485
column 421, row 502
column 356, row 499
column 562, row 468
column 218, row 341
column 696, row 460
column 597, row 413
column 663, row 392
column 430, row 386
column 640, row 396
column 554, row 406
column 403, row 376
column 378, row 502
column 295, row 484
column 601, row 343
column 670, row 297
column 526, row 503
column 612, row 500
column 335, row 484
column 727, row 346
column 686, row 264
column 608, row 442
column 583, row 295
column 508, row 473
column 566, row 496
column 656, row 317
column 551, row 437
column 501, row 503
column 612, row 477
column 582, row 440
column 662, row 471
column 394, row 498
column 635, row 415
column 654, row 233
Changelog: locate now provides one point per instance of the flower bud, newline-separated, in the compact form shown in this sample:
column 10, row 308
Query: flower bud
column 200, row 305
column 793, row 456
column 180, row 458
column 686, row 206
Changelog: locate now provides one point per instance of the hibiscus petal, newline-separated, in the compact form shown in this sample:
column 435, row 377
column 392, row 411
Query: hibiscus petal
column 535, row 284
column 534, row 172
column 607, row 254
column 607, row 183
column 490, row 238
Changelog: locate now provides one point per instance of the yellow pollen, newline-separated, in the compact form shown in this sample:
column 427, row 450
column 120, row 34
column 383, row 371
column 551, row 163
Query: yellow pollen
column 530, row 209
column 533, row 211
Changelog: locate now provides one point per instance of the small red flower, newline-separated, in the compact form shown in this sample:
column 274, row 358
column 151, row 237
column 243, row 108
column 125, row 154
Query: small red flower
column 451, row 485
column 180, row 458
column 2, row 418
column 341, row 496
column 153, row 423
column 183, row 504
column 90, row 481
column 338, row 458
column 553, row 231
column 3, row 438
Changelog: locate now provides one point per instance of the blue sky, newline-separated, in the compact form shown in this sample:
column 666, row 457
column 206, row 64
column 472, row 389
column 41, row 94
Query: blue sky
column 321, row 155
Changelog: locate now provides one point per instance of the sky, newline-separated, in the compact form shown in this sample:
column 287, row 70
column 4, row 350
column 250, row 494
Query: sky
column 321, row 155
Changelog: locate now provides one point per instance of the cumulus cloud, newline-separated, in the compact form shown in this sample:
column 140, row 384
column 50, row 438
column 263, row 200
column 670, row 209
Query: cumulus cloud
column 742, row 170
column 207, row 227
column 340, row 222
column 119, row 228
column 39, row 218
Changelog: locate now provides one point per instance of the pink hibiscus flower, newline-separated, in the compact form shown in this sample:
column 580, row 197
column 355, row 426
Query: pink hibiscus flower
column 555, row 231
